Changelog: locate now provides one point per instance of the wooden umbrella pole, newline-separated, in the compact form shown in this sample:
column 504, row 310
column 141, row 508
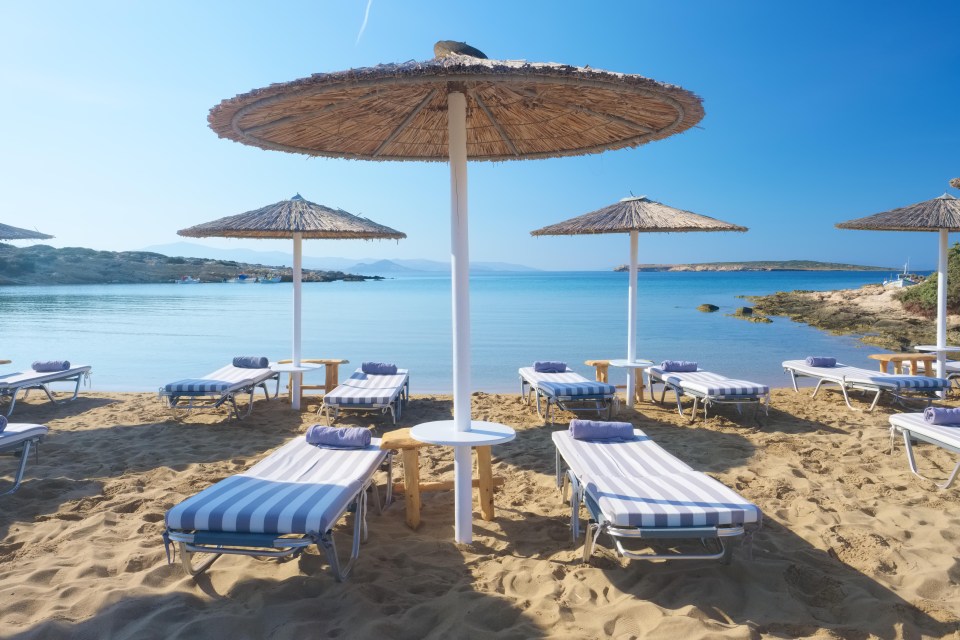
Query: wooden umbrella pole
column 297, row 268
column 632, row 318
column 460, row 284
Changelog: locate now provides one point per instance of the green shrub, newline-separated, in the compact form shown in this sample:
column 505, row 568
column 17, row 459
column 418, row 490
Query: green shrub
column 922, row 298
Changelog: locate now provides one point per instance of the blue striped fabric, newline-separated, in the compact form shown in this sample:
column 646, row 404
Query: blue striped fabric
column 914, row 423
column 706, row 383
column 199, row 386
column 368, row 389
column 843, row 373
column 20, row 379
column 15, row 433
column 297, row 489
column 569, row 384
column 638, row 457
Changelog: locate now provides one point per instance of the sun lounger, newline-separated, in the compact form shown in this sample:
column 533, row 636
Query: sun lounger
column 12, row 383
column 710, row 388
column 854, row 378
column 218, row 387
column 20, row 437
column 569, row 390
column 913, row 427
column 637, row 490
column 285, row 503
column 369, row 392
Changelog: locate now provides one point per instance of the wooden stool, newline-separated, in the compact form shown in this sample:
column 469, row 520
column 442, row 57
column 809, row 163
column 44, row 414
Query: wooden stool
column 603, row 369
column 914, row 360
column 332, row 369
column 412, row 487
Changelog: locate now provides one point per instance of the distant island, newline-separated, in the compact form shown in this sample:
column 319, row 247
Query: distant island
column 41, row 264
column 756, row 265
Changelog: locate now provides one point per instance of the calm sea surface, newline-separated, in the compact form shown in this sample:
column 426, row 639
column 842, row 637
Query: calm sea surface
column 139, row 337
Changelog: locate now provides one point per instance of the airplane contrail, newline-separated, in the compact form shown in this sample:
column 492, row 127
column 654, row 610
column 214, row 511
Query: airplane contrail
column 366, row 16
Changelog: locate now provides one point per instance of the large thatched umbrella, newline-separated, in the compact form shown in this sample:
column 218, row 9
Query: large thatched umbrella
column 298, row 219
column 456, row 106
column 941, row 215
column 635, row 215
column 16, row 233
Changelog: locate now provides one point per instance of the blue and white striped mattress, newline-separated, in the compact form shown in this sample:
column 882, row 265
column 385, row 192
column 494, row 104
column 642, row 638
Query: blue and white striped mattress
column 639, row 483
column 948, row 435
column 228, row 378
column 16, row 433
column 845, row 374
column 568, row 384
column 297, row 489
column 705, row 383
column 24, row 378
column 365, row 389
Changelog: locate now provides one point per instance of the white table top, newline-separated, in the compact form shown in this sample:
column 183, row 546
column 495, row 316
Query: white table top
column 481, row 434
column 935, row 348
column 636, row 364
column 291, row 368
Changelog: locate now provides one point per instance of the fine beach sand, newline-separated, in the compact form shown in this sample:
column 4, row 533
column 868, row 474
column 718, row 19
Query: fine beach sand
column 853, row 545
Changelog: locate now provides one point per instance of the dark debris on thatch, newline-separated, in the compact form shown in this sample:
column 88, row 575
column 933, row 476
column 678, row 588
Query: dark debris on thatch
column 636, row 214
column 297, row 215
column 16, row 233
column 929, row 215
column 515, row 110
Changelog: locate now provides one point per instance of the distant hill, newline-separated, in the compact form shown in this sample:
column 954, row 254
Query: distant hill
column 756, row 265
column 41, row 264
column 372, row 266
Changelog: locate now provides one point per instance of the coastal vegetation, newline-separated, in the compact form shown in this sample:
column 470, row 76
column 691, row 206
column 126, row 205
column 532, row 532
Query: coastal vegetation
column 42, row 264
column 921, row 299
column 756, row 265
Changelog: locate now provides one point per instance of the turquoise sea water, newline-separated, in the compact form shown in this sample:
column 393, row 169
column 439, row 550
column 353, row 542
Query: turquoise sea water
column 138, row 337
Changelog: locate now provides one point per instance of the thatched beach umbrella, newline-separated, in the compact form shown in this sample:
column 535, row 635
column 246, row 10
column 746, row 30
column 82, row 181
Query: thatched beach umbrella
column 16, row 233
column 456, row 106
column 295, row 218
column 941, row 215
column 635, row 215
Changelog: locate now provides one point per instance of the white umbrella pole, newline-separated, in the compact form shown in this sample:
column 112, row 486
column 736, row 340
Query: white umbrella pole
column 460, row 277
column 297, row 264
column 942, row 304
column 632, row 319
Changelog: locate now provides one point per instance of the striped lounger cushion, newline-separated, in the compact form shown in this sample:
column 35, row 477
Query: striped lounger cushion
column 22, row 378
column 569, row 384
column 198, row 386
column 364, row 389
column 946, row 435
column 706, row 383
column 16, row 433
column 637, row 457
column 298, row 489
column 855, row 375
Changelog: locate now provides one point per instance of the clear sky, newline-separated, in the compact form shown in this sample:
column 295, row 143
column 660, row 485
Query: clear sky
column 816, row 113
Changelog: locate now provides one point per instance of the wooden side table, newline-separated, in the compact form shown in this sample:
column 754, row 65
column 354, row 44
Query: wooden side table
column 411, row 488
column 913, row 359
column 332, row 378
column 603, row 371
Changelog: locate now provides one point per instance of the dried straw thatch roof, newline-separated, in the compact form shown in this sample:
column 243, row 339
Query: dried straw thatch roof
column 515, row 110
column 955, row 183
column 636, row 214
column 16, row 233
column 929, row 215
column 296, row 215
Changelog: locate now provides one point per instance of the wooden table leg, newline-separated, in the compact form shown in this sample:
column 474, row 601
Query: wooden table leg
column 333, row 377
column 411, row 488
column 927, row 368
column 485, row 482
column 898, row 368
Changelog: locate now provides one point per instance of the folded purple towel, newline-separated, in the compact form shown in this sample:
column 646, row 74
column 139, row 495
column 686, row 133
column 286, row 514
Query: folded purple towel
column 938, row 415
column 346, row 437
column 821, row 361
column 678, row 366
column 3, row 423
column 549, row 366
column 596, row 430
column 378, row 368
column 43, row 366
column 251, row 362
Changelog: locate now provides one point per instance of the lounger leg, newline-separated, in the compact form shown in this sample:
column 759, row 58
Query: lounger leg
column 876, row 398
column 846, row 398
column 590, row 540
column 816, row 389
column 913, row 464
column 188, row 563
column 24, row 454
column 793, row 379
column 46, row 390
column 13, row 402
column 676, row 393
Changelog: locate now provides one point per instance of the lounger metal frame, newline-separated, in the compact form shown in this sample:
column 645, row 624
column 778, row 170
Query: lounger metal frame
column 708, row 399
column 270, row 546
column 570, row 485
column 598, row 401
column 908, row 437
column 24, row 446
column 929, row 395
column 211, row 400
column 74, row 374
column 395, row 406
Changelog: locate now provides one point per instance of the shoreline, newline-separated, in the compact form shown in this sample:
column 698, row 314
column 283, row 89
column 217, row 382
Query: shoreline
column 852, row 544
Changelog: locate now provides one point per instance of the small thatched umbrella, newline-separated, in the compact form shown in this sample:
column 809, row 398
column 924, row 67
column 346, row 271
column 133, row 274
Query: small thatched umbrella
column 941, row 215
column 16, row 233
column 635, row 215
column 456, row 106
column 298, row 219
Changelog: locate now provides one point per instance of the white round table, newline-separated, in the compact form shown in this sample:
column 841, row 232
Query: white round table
column 304, row 367
column 481, row 434
column 632, row 366
column 941, row 358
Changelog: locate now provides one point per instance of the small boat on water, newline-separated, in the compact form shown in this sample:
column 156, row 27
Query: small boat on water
column 905, row 279
column 243, row 278
column 271, row 279
column 187, row 280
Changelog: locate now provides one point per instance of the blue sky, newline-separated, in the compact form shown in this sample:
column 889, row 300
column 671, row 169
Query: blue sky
column 816, row 112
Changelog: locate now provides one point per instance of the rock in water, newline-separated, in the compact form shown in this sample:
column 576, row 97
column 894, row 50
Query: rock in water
column 708, row 308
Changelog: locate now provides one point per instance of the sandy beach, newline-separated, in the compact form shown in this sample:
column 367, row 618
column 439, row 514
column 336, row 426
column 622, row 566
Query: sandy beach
column 852, row 546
